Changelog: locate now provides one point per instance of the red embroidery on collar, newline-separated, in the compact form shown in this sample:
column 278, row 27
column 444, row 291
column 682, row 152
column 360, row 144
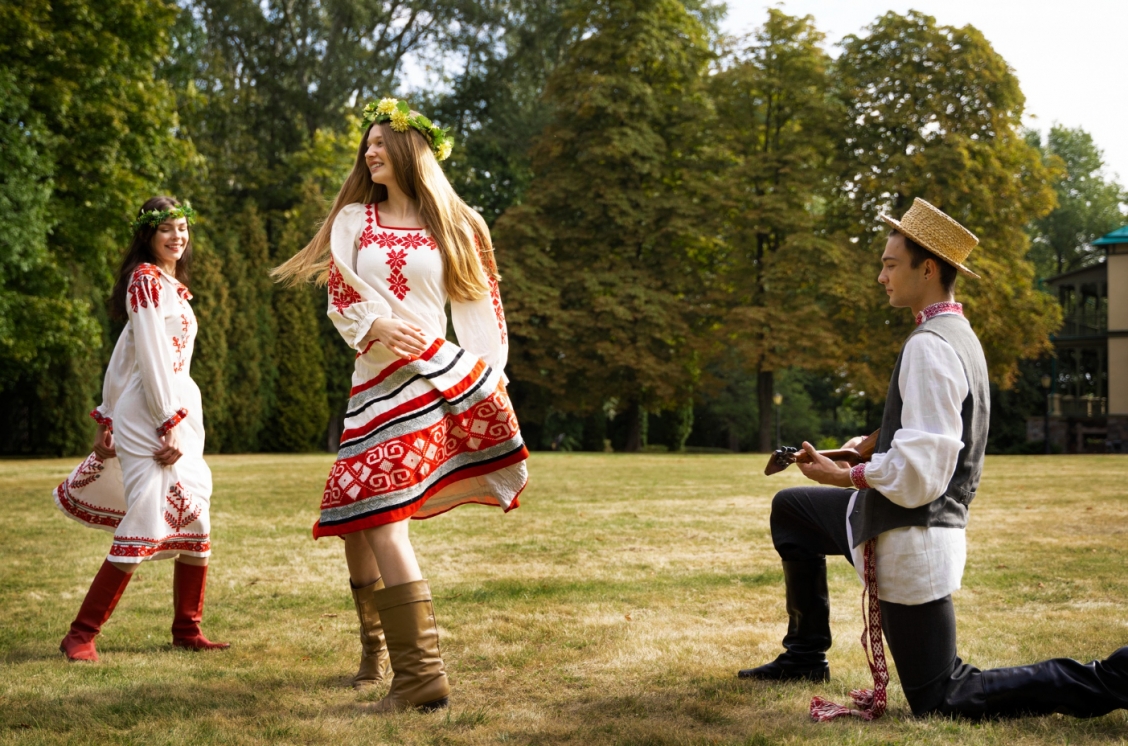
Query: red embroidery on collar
column 938, row 308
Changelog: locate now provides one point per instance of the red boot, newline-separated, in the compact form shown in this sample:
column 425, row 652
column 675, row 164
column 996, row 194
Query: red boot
column 188, row 583
column 96, row 608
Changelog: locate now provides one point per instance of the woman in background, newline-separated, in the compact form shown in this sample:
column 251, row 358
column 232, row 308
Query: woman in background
column 146, row 480
column 429, row 425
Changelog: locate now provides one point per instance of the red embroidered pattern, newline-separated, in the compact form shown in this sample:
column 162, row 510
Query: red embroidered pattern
column 858, row 477
column 88, row 472
column 182, row 543
column 180, row 344
column 397, row 258
column 145, row 287
column 938, row 308
column 103, row 420
column 411, row 459
column 183, row 292
column 172, row 422
column 869, row 704
column 366, row 235
column 495, row 291
column 341, row 294
column 183, row 509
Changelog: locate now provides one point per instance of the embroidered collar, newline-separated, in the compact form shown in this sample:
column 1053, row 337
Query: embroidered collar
column 938, row 308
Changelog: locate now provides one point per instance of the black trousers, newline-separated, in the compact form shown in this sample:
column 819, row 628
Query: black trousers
column 809, row 524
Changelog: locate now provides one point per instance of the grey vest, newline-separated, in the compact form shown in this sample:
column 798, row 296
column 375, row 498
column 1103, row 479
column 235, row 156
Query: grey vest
column 873, row 512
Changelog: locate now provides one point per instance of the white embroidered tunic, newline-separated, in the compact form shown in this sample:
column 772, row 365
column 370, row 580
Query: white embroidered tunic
column 916, row 564
column 155, row 512
column 423, row 435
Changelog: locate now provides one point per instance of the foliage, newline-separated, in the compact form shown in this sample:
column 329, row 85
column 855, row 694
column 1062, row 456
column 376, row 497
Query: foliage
column 776, row 126
column 301, row 408
column 599, row 258
column 1089, row 205
column 87, row 134
column 934, row 112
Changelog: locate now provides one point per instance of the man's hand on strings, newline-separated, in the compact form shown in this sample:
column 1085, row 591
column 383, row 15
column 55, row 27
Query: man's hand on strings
column 823, row 470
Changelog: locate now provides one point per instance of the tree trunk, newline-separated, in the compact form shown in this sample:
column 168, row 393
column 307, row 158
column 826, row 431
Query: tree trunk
column 634, row 430
column 765, row 387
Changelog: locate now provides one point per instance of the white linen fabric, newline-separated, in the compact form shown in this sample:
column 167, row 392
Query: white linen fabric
column 155, row 512
column 916, row 564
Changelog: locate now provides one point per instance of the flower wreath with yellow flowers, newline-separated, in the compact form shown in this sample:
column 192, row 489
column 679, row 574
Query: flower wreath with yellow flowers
column 399, row 114
column 156, row 217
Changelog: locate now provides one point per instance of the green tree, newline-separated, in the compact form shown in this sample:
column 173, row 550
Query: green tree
column 598, row 258
column 211, row 303
column 250, row 370
column 934, row 112
column 87, row 136
column 1089, row 204
column 776, row 124
column 301, row 411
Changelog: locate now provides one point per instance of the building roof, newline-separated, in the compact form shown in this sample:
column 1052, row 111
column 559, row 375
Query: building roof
column 1093, row 273
column 1120, row 235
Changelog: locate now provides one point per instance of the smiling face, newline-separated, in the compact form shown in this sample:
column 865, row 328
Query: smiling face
column 377, row 159
column 169, row 242
column 904, row 283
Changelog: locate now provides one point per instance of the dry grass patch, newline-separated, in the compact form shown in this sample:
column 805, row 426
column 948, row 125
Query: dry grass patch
column 614, row 607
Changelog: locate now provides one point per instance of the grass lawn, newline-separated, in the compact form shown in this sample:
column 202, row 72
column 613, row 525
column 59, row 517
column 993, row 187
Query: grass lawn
column 614, row 607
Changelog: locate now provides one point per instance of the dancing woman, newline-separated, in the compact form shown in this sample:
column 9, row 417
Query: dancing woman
column 146, row 480
column 429, row 425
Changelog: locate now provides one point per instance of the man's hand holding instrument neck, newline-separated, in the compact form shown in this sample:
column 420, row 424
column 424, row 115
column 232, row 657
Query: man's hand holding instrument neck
column 830, row 467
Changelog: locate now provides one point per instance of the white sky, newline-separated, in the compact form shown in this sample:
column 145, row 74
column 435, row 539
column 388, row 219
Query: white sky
column 1070, row 56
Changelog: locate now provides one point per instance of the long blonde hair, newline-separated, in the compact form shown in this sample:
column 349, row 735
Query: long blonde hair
column 459, row 231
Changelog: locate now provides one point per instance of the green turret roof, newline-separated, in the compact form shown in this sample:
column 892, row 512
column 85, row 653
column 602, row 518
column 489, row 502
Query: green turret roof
column 1120, row 235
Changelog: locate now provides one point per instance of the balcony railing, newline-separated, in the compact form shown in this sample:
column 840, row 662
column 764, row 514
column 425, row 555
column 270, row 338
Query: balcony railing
column 1089, row 405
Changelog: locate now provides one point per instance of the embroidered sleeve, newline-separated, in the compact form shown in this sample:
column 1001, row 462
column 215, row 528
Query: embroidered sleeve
column 149, row 295
column 480, row 324
column 172, row 422
column 106, row 422
column 858, row 477
column 353, row 303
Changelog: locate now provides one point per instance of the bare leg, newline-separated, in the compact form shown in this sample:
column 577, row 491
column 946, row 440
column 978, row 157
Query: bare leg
column 363, row 569
column 394, row 554
column 197, row 561
column 126, row 567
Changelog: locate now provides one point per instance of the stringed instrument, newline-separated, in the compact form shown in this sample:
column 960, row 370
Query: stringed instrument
column 786, row 456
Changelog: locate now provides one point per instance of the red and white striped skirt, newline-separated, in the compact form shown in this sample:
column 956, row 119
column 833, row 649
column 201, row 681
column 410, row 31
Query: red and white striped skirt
column 421, row 437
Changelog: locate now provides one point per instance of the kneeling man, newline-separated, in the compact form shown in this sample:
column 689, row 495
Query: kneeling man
column 902, row 516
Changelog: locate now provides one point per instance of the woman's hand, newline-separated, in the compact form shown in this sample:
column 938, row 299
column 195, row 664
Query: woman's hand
column 104, row 443
column 403, row 339
column 169, row 452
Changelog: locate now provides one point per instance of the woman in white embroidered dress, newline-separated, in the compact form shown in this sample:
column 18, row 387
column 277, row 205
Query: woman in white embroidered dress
column 146, row 480
column 429, row 425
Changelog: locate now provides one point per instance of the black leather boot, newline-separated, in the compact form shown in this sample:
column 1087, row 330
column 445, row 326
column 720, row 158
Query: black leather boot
column 1062, row 685
column 808, row 628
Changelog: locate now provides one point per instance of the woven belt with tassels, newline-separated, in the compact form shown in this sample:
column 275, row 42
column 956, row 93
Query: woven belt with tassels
column 869, row 704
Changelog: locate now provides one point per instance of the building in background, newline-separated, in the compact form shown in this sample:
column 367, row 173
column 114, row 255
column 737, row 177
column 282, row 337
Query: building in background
column 1087, row 397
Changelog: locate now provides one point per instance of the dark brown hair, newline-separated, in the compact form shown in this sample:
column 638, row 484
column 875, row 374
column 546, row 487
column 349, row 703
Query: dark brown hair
column 140, row 251
column 948, row 271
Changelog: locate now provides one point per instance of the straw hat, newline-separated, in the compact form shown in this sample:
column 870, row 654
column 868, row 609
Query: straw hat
column 938, row 233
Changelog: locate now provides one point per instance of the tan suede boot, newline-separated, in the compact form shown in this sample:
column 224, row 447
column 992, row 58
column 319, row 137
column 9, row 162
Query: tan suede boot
column 419, row 679
column 375, row 666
